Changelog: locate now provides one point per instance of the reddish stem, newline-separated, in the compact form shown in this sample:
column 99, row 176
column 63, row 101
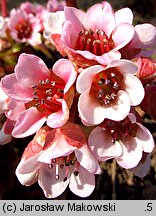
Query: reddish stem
column 4, row 8
column 71, row 3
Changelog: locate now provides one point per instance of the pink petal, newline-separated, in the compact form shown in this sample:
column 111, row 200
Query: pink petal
column 59, row 118
column 75, row 16
column 4, row 138
column 30, row 165
column 15, row 109
column 102, row 146
column 100, row 16
column 97, row 113
column 132, row 153
column 3, row 101
column 16, row 90
column 124, row 15
column 28, row 123
column 136, row 94
column 83, row 184
column 145, row 138
column 56, row 147
column 86, row 159
column 85, row 78
column 65, row 69
column 119, row 37
column 26, row 178
column 145, row 36
column 30, row 69
column 142, row 168
column 47, row 180
column 124, row 66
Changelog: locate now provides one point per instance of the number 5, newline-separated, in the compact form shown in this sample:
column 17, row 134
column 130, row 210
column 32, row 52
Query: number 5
column 149, row 206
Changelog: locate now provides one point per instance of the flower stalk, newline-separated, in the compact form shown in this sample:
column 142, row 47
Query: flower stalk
column 4, row 8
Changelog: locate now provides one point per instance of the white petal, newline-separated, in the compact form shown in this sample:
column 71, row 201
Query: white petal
column 83, row 184
column 134, row 89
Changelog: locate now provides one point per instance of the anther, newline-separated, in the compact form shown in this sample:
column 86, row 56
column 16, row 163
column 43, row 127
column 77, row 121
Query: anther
column 65, row 179
column 53, row 83
column 49, row 92
column 61, row 166
column 50, row 166
column 41, row 82
column 76, row 173
column 57, row 177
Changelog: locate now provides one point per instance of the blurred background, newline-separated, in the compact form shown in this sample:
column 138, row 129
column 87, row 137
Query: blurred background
column 115, row 182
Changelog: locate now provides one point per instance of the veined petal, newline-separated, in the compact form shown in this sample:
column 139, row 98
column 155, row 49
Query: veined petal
column 83, row 184
column 16, row 90
column 47, row 180
column 28, row 123
column 30, row 69
column 134, row 89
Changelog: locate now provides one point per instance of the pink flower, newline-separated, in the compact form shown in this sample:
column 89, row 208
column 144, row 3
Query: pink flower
column 92, row 37
column 124, row 140
column 146, row 70
column 55, row 5
column 108, row 92
column 62, row 159
column 38, row 95
column 24, row 27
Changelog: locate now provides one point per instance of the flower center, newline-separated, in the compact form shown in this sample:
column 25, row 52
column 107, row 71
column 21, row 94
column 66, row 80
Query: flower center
column 119, row 130
column 24, row 29
column 47, row 94
column 69, row 163
column 96, row 42
column 105, row 86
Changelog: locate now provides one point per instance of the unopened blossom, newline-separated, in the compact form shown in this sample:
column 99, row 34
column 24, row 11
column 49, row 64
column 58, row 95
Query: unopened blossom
column 146, row 70
column 24, row 27
column 38, row 94
column 108, row 92
column 62, row 158
column 55, row 5
column 125, row 140
column 92, row 37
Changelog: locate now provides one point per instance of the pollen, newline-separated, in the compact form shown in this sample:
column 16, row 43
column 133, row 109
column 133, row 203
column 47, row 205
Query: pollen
column 120, row 130
column 96, row 42
column 68, row 163
column 47, row 94
column 105, row 86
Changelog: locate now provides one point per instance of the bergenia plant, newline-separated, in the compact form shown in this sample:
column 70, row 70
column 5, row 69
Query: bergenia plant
column 80, row 85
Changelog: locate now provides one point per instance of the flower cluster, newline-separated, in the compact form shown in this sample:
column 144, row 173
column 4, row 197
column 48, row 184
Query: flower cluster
column 81, row 106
